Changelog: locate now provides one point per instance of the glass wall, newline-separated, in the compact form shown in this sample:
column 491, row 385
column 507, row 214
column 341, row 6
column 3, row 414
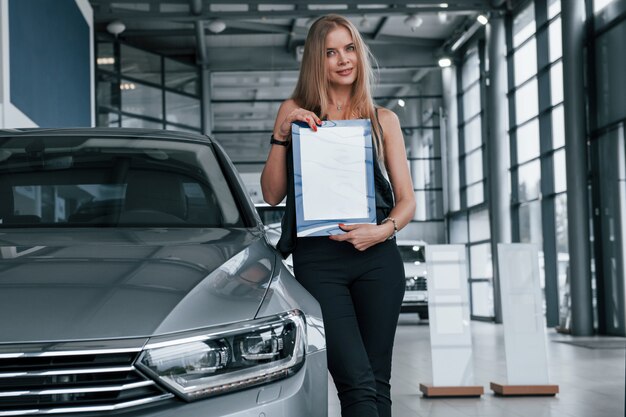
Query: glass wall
column 606, row 61
column 136, row 88
column 538, row 181
column 470, row 225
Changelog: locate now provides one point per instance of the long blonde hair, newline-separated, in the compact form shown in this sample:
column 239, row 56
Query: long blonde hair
column 311, row 90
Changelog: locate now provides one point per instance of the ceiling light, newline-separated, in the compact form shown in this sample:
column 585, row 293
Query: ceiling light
column 413, row 21
column 482, row 19
column 216, row 26
column 443, row 5
column 445, row 62
column 401, row 102
column 105, row 61
column 116, row 27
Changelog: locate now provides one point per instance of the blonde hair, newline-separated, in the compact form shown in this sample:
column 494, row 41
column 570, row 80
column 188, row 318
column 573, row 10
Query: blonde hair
column 311, row 90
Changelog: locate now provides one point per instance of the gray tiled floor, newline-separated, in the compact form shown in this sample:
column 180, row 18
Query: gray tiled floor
column 591, row 381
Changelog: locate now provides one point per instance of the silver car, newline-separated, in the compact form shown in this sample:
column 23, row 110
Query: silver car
column 136, row 280
column 416, row 292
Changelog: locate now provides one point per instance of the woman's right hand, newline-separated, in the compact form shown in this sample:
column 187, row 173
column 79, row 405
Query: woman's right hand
column 283, row 130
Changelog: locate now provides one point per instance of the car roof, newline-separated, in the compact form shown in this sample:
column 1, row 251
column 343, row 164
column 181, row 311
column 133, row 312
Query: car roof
column 106, row 132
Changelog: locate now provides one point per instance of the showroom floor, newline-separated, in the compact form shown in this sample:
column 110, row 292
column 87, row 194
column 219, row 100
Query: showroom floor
column 591, row 381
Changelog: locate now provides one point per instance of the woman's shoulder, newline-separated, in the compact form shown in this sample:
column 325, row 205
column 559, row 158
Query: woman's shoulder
column 387, row 117
column 288, row 104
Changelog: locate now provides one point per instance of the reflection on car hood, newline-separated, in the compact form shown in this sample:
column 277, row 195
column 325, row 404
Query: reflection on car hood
column 77, row 284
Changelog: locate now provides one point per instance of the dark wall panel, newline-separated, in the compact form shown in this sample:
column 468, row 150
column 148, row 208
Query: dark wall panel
column 50, row 70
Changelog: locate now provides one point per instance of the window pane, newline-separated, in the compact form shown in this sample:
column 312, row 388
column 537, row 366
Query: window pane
column 528, row 141
column 422, row 143
column 426, row 173
column 140, row 64
column 554, row 8
column 556, row 40
column 480, row 261
column 141, row 99
column 182, row 129
column 475, row 194
column 560, row 183
column 524, row 25
column 182, row 109
column 525, row 61
column 429, row 205
column 106, row 56
column 479, row 226
column 471, row 69
column 526, row 102
column 530, row 223
column 482, row 299
column 558, row 127
column 474, row 167
column 108, row 119
column 416, row 111
column 471, row 102
column 242, row 116
column 473, row 134
column 556, row 83
column 108, row 91
column 562, row 244
column 135, row 122
column 529, row 176
column 181, row 77
column 458, row 229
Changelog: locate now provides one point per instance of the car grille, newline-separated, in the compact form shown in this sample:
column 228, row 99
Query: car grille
column 71, row 382
column 415, row 284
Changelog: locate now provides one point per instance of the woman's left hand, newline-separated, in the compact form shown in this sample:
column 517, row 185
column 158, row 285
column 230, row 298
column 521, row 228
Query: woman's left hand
column 363, row 236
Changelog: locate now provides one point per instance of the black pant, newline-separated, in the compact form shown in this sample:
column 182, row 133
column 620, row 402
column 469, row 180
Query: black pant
column 360, row 294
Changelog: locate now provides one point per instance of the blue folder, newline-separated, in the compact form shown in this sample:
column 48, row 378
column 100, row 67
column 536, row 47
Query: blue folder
column 312, row 226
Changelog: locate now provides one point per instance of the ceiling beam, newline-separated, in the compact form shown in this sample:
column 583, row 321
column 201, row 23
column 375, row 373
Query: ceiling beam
column 151, row 16
column 416, row 4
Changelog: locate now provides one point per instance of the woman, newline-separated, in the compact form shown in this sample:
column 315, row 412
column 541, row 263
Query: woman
column 357, row 277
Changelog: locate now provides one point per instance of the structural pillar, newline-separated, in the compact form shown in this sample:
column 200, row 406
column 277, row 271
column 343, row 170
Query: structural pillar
column 497, row 148
column 573, row 20
column 207, row 111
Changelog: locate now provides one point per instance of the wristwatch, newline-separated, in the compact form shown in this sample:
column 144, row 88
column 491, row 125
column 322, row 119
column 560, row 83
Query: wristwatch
column 275, row 141
column 395, row 226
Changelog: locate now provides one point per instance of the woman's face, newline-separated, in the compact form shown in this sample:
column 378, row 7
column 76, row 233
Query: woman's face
column 341, row 57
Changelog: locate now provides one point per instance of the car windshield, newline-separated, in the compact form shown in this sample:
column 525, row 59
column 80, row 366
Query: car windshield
column 412, row 253
column 112, row 181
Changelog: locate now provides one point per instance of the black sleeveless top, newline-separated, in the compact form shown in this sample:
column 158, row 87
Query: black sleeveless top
column 384, row 201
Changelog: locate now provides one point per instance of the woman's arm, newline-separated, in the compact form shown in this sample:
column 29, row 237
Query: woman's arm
column 274, row 175
column 363, row 236
column 398, row 169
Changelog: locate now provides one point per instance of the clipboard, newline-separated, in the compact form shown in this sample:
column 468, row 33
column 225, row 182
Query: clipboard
column 333, row 176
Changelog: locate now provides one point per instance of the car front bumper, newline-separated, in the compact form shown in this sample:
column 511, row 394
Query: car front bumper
column 303, row 394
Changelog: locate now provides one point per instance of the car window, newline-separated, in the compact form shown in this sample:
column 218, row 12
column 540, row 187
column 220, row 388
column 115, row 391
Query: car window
column 87, row 182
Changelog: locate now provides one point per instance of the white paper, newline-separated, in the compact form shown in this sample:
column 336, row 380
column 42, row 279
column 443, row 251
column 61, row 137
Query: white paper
column 333, row 169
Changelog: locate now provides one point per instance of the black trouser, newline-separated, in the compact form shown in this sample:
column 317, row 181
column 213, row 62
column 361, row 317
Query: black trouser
column 360, row 294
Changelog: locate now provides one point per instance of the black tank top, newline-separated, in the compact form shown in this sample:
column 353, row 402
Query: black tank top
column 384, row 201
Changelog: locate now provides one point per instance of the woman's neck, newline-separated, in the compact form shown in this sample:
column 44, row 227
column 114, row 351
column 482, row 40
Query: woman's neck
column 340, row 97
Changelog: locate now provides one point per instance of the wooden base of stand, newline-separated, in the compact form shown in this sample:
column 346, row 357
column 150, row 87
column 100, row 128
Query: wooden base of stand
column 511, row 390
column 463, row 391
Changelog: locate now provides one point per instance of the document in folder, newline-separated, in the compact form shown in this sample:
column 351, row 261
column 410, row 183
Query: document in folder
column 333, row 176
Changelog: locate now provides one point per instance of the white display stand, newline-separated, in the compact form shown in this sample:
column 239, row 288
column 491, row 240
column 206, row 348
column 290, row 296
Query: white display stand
column 449, row 317
column 524, row 324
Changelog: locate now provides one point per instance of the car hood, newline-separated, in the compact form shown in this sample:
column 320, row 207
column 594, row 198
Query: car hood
column 72, row 284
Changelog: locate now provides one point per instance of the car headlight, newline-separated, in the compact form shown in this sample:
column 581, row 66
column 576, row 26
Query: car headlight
column 228, row 359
